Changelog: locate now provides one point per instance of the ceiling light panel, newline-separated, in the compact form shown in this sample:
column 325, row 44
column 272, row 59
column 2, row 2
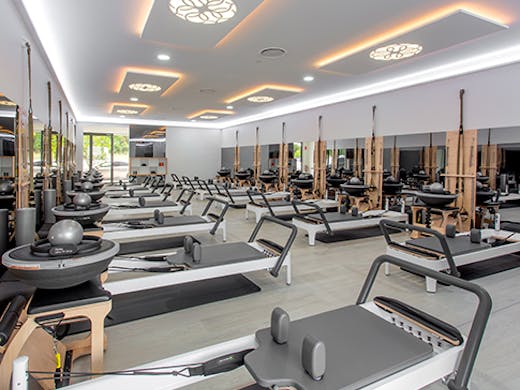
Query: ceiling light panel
column 210, row 114
column 263, row 94
column 434, row 35
column 128, row 109
column 146, row 85
column 195, row 23
column 395, row 51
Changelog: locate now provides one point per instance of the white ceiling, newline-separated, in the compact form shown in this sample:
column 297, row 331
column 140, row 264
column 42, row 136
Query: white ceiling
column 96, row 49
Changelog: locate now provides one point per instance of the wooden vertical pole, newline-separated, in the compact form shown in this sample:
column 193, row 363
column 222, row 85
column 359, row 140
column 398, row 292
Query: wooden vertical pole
column 59, row 156
column 257, row 158
column 283, row 161
column 374, row 147
column 236, row 163
column 395, row 159
column 320, row 164
column 46, row 146
column 489, row 161
column 334, row 165
column 358, row 159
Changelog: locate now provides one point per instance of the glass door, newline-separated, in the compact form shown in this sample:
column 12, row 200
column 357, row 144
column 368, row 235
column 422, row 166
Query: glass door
column 108, row 153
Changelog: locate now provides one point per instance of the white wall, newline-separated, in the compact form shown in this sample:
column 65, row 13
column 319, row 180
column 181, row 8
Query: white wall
column 193, row 152
column 491, row 100
column 13, row 63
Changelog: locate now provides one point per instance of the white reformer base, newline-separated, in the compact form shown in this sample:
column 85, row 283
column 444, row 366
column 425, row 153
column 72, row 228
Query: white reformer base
column 157, row 280
column 243, row 200
column 440, row 365
column 373, row 219
column 117, row 232
column 144, row 212
column 467, row 258
column 260, row 211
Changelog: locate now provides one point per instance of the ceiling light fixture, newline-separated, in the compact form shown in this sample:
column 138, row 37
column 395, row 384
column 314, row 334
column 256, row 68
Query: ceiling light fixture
column 127, row 111
column 260, row 99
column 163, row 57
column 258, row 90
column 7, row 103
column 229, row 107
column 208, row 117
column 122, row 116
column 308, row 79
column 395, row 51
column 144, row 87
column 204, row 11
column 134, row 99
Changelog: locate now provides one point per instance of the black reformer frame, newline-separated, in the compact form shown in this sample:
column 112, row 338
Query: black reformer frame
column 387, row 225
column 478, row 325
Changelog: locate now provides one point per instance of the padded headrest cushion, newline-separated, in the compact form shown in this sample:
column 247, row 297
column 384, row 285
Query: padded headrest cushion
column 196, row 253
column 142, row 201
column 475, row 236
column 188, row 244
column 343, row 209
column 158, row 216
column 354, row 211
column 131, row 192
column 451, row 231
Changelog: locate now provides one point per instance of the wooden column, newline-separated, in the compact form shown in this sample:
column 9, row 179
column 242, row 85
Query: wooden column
column 461, row 172
column 23, row 181
column 334, row 165
column 430, row 161
column 236, row 162
column 374, row 170
column 283, row 162
column 320, row 168
column 257, row 157
column 358, row 160
column 394, row 157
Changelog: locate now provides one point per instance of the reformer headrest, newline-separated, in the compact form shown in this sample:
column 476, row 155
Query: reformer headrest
column 188, row 244
column 354, row 211
column 451, row 231
column 196, row 253
column 343, row 208
column 131, row 192
column 158, row 216
column 142, row 201
column 475, row 236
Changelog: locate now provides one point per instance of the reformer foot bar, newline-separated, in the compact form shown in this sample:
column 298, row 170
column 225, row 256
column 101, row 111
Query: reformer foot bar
column 441, row 253
column 378, row 344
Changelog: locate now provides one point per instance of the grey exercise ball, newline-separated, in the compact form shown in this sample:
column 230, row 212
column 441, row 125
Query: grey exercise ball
column 479, row 185
column 65, row 232
column 87, row 186
column 436, row 188
column 390, row 179
column 355, row 180
column 82, row 199
column 266, row 172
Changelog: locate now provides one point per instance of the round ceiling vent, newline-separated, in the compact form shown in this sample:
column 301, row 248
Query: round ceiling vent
column 273, row 52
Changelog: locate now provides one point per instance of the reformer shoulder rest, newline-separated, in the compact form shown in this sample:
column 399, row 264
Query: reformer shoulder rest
column 436, row 326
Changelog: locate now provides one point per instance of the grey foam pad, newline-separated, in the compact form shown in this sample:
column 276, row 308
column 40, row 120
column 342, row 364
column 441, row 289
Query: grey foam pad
column 335, row 217
column 458, row 245
column 361, row 348
column 219, row 254
column 276, row 203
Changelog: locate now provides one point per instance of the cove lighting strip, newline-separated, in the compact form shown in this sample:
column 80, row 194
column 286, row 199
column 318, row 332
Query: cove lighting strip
column 42, row 23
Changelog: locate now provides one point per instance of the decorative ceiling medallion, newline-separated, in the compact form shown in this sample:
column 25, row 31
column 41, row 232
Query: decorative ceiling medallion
column 204, row 11
column 127, row 111
column 208, row 117
column 395, row 51
column 144, row 87
column 260, row 99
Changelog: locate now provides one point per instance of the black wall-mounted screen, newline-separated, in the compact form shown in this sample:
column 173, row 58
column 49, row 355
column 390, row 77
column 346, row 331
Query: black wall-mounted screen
column 144, row 150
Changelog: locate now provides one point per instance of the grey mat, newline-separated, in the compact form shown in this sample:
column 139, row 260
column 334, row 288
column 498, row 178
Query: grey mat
column 489, row 267
column 361, row 348
column 219, row 254
column 166, row 203
column 335, row 217
column 351, row 234
column 143, row 304
column 457, row 245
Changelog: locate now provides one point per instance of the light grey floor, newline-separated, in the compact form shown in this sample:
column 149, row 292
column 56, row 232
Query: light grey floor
column 325, row 277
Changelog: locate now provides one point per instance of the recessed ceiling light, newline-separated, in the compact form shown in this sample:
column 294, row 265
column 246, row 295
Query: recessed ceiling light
column 308, row 78
column 144, row 87
column 273, row 52
column 134, row 99
column 208, row 117
column 193, row 120
column 122, row 116
column 396, row 51
column 163, row 57
column 204, row 11
column 127, row 111
column 207, row 90
column 260, row 99
column 229, row 107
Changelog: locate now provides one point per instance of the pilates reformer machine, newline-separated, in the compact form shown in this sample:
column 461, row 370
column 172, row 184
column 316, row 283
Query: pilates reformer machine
column 283, row 208
column 131, row 183
column 146, row 207
column 381, row 343
column 240, row 198
column 196, row 261
column 332, row 222
column 161, row 225
column 151, row 186
column 440, row 252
